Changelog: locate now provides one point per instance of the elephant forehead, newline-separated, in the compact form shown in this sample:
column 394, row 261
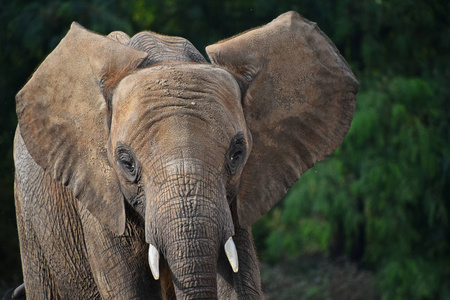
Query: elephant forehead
column 182, row 91
column 178, row 83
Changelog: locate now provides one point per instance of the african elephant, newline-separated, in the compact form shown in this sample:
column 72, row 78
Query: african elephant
column 136, row 149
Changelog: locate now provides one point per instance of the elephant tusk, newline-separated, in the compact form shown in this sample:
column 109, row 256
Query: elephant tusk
column 153, row 259
column 230, row 251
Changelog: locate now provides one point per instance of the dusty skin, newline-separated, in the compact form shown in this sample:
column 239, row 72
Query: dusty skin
column 140, row 167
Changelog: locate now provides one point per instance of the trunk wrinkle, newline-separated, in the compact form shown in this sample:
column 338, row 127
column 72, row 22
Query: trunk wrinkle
column 188, row 221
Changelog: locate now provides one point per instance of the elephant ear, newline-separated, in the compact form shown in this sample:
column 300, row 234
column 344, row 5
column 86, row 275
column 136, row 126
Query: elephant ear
column 298, row 105
column 63, row 119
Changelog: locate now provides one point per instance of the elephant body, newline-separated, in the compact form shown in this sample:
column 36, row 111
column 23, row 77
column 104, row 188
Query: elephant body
column 140, row 167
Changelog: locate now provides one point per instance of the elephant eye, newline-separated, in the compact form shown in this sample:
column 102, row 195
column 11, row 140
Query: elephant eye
column 236, row 156
column 127, row 163
column 236, row 153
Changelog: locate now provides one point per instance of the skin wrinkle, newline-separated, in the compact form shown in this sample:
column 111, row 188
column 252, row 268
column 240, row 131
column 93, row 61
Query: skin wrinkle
column 167, row 185
column 162, row 178
column 180, row 217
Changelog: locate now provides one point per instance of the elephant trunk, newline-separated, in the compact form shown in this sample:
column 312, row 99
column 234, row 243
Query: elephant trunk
column 189, row 222
column 192, row 259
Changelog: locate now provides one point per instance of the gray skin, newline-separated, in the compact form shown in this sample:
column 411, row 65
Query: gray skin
column 123, row 143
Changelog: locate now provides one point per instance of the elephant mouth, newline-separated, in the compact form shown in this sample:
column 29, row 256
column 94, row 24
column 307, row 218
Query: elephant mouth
column 229, row 247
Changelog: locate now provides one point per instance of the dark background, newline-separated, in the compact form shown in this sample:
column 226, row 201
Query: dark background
column 375, row 214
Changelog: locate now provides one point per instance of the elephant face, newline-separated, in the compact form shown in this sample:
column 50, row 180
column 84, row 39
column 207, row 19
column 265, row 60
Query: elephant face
column 179, row 129
column 197, row 149
column 194, row 109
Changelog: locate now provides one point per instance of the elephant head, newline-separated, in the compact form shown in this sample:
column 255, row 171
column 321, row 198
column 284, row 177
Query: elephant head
column 197, row 149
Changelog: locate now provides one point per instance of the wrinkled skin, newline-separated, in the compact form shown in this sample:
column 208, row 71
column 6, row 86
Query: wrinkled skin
column 124, row 143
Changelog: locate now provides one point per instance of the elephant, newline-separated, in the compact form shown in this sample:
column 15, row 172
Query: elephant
column 140, row 166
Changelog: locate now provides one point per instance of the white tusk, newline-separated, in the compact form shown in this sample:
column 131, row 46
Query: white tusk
column 230, row 251
column 153, row 259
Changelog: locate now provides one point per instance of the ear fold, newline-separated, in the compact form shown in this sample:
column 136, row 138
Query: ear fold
column 298, row 106
column 63, row 119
